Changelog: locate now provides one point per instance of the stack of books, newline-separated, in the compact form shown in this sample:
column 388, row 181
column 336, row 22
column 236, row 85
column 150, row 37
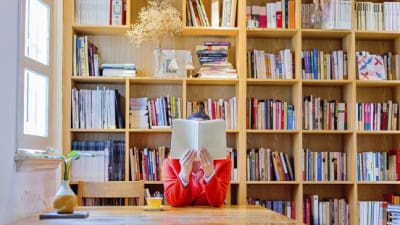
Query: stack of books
column 118, row 70
column 138, row 113
column 213, row 57
column 393, row 214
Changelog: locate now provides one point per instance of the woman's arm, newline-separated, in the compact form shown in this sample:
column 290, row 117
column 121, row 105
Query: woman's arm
column 217, row 186
column 174, row 191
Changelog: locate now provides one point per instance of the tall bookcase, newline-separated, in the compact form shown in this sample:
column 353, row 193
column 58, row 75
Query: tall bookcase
column 116, row 48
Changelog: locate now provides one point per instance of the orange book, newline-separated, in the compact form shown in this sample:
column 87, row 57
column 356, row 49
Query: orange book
column 291, row 16
column 279, row 174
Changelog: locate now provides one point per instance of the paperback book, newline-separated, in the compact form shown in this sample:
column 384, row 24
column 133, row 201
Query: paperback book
column 192, row 134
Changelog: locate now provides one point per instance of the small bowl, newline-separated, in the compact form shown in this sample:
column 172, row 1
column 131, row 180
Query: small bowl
column 154, row 202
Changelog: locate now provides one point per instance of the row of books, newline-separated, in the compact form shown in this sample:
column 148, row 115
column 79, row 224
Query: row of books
column 325, row 211
column 377, row 16
column 213, row 58
column 287, row 208
column 377, row 116
column 321, row 114
column 200, row 15
column 263, row 65
column 216, row 109
column 146, row 164
column 323, row 166
column 372, row 213
column 270, row 114
column 336, row 14
column 86, row 57
column 107, row 163
column 317, row 65
column 263, row 164
column 100, row 12
column 98, row 108
column 377, row 67
column 376, row 166
column 279, row 14
column 233, row 155
column 147, row 113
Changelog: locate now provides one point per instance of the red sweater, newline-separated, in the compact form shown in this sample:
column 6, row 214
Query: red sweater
column 197, row 192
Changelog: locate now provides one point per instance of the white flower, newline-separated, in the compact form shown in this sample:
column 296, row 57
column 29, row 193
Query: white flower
column 156, row 20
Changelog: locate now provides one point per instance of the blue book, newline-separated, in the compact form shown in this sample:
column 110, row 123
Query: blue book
column 290, row 118
column 266, row 113
column 315, row 63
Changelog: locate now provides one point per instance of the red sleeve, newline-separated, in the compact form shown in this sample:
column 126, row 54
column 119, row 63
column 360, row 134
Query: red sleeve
column 174, row 192
column 217, row 187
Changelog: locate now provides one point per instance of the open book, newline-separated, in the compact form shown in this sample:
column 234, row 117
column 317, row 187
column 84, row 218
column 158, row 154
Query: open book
column 192, row 134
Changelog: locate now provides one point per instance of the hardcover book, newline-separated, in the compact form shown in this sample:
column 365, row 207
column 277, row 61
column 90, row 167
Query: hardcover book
column 192, row 134
column 371, row 67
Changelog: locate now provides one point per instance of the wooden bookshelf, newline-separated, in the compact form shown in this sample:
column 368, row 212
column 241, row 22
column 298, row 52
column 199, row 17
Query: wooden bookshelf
column 352, row 90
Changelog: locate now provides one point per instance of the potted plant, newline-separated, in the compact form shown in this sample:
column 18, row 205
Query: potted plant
column 156, row 21
column 65, row 199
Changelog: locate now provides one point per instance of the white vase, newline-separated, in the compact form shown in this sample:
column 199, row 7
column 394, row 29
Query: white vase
column 157, row 62
column 65, row 200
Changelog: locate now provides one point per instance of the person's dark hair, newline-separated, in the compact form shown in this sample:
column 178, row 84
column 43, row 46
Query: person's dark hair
column 198, row 115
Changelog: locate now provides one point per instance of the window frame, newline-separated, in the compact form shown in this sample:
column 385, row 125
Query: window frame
column 31, row 146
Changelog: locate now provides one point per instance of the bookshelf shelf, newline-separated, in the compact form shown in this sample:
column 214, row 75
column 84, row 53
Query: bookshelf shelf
column 100, row 30
column 155, row 80
column 378, row 35
column 209, row 31
column 156, row 130
column 270, row 33
column 378, row 83
column 212, row 81
column 153, row 182
column 324, row 34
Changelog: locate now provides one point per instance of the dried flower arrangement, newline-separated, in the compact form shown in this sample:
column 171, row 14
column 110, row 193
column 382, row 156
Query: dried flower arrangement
column 156, row 20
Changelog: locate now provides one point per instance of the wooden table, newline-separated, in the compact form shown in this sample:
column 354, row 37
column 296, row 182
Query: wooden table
column 171, row 216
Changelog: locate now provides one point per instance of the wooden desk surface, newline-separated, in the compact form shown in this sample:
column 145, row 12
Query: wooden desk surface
column 171, row 216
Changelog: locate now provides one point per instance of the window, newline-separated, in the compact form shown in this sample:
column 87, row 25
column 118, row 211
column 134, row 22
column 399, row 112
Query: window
column 37, row 120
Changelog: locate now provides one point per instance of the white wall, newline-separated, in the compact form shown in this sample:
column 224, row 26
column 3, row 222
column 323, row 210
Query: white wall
column 21, row 193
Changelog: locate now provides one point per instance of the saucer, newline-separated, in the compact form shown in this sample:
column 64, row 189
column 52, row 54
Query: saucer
column 146, row 208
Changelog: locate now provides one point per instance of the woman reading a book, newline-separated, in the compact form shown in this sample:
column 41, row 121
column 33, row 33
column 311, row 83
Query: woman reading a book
column 188, row 181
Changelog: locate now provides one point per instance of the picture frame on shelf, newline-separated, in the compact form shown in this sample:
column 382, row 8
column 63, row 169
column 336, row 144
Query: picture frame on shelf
column 171, row 62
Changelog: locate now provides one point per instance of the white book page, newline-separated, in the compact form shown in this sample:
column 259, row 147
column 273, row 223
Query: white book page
column 191, row 134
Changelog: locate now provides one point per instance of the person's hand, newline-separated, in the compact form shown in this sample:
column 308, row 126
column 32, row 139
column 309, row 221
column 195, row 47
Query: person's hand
column 186, row 162
column 206, row 162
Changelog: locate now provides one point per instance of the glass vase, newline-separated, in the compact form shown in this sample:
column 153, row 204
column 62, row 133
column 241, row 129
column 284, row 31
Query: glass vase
column 157, row 63
column 65, row 200
column 316, row 17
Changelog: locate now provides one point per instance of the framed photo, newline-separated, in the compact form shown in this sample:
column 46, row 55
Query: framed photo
column 172, row 63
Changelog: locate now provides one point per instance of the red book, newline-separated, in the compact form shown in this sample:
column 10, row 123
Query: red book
column 306, row 219
column 254, row 113
column 396, row 152
column 293, row 210
column 279, row 19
